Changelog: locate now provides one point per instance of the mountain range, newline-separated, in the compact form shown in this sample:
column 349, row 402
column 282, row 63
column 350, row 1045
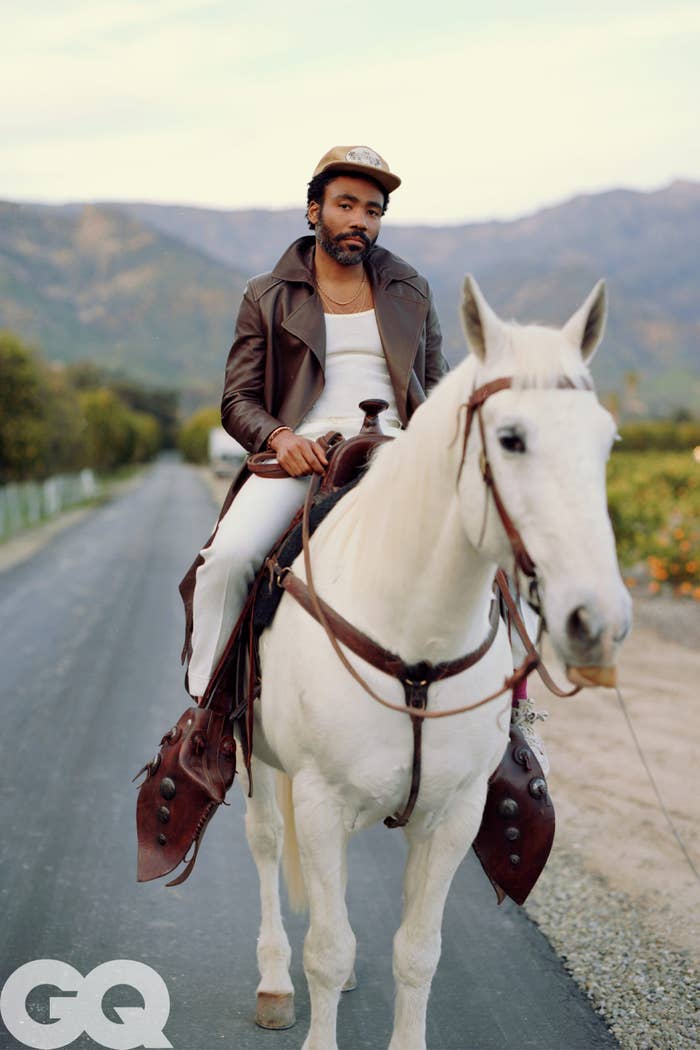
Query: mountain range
column 153, row 290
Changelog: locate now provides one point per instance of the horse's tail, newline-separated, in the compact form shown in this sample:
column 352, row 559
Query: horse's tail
column 291, row 864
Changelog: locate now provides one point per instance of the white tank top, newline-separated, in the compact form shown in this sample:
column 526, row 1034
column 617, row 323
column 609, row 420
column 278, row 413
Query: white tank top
column 355, row 369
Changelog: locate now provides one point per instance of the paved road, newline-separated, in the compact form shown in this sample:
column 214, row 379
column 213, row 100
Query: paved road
column 90, row 631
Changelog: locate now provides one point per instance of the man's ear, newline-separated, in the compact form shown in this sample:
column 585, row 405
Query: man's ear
column 313, row 211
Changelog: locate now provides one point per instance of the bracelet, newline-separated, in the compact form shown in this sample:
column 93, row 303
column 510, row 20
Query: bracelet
column 277, row 430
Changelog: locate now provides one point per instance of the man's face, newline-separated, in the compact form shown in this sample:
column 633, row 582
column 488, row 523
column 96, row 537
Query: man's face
column 347, row 223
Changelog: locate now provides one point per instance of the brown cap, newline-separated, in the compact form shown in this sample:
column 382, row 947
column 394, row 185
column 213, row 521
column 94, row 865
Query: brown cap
column 360, row 159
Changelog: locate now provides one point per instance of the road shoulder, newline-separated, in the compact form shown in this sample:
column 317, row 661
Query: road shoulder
column 27, row 543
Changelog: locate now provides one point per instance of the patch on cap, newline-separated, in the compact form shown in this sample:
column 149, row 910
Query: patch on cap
column 364, row 155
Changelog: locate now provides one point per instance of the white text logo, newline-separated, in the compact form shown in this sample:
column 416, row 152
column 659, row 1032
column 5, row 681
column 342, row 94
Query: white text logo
column 71, row 1015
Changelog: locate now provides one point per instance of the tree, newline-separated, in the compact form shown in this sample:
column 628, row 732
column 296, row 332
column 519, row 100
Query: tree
column 24, row 438
column 109, row 435
column 193, row 439
column 66, row 424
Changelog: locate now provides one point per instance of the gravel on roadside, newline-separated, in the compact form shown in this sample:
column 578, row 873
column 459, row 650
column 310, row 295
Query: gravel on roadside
column 647, row 991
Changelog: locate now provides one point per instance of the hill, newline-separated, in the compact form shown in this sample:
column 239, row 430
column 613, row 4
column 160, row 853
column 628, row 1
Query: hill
column 156, row 287
column 91, row 282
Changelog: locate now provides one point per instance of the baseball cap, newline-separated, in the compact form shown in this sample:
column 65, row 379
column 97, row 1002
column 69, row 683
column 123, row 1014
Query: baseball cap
column 360, row 159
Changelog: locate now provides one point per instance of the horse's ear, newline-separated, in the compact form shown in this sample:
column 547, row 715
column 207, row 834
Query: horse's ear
column 585, row 328
column 478, row 319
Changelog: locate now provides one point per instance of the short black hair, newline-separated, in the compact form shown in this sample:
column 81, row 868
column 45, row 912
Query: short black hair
column 317, row 188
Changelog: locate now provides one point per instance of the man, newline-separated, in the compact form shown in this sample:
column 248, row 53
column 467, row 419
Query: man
column 338, row 319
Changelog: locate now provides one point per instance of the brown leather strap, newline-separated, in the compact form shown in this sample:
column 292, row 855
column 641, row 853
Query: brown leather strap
column 401, row 819
column 338, row 628
column 517, row 621
column 473, row 406
column 415, row 679
column 376, row 655
column 265, row 465
column 476, row 400
column 522, row 558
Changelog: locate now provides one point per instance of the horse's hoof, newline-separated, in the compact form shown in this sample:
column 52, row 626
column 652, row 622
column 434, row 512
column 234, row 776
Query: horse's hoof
column 351, row 982
column 275, row 1010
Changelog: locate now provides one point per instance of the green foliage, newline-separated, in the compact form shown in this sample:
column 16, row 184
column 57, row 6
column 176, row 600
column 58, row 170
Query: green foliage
column 56, row 420
column 147, row 436
column 159, row 402
column 661, row 435
column 23, row 431
column 654, row 501
column 108, row 433
column 193, row 438
column 115, row 434
column 66, row 425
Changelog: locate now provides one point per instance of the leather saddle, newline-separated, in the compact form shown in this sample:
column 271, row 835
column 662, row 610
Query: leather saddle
column 188, row 778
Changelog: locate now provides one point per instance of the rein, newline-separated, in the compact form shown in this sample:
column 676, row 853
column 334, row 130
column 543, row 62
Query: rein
column 417, row 678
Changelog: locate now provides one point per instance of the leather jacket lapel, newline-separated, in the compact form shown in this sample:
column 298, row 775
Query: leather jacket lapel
column 307, row 324
column 400, row 321
column 401, row 310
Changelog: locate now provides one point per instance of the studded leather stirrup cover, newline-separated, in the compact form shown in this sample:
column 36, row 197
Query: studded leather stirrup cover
column 517, row 828
column 185, row 783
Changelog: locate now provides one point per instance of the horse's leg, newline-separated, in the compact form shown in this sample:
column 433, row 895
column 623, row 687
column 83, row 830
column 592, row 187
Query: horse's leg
column 329, row 948
column 263, row 822
column 432, row 862
column 350, row 983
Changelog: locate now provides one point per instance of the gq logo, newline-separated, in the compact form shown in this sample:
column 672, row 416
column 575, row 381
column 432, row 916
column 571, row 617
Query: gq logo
column 71, row 1015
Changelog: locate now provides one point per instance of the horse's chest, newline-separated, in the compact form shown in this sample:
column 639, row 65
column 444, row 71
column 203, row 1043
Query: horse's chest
column 372, row 774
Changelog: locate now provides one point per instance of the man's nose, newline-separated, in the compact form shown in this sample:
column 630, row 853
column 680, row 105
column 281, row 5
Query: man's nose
column 358, row 222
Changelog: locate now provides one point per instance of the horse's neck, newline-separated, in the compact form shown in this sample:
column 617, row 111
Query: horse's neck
column 395, row 558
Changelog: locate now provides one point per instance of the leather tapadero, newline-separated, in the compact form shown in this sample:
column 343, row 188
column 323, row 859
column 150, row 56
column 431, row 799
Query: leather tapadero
column 517, row 828
column 185, row 783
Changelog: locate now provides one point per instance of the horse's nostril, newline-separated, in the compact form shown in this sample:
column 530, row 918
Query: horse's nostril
column 582, row 625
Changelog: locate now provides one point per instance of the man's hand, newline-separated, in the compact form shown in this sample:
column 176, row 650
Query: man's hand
column 298, row 455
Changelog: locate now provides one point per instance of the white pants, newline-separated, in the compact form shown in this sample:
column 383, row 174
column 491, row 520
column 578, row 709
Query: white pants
column 258, row 515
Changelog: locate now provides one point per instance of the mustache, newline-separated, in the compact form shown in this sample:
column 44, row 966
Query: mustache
column 339, row 238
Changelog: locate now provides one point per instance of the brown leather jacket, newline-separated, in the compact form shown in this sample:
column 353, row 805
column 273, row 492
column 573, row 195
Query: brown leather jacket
column 274, row 372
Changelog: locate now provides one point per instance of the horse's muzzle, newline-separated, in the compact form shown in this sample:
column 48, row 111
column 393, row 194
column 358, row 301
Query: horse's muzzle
column 591, row 676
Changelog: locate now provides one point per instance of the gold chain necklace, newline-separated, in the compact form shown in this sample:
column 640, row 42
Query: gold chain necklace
column 338, row 302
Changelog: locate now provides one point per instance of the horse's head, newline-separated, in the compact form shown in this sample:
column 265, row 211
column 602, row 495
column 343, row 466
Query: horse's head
column 540, row 445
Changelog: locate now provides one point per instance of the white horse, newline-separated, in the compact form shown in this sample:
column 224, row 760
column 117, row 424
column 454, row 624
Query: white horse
column 409, row 557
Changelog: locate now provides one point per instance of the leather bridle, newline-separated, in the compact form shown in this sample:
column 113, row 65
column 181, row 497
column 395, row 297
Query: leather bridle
column 523, row 560
column 417, row 678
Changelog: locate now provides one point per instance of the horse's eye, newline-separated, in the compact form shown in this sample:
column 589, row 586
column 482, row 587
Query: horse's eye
column 511, row 441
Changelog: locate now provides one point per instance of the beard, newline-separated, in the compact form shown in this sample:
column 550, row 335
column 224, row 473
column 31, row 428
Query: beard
column 348, row 255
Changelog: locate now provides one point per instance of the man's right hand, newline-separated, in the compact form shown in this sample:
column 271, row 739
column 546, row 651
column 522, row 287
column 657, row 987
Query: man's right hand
column 298, row 455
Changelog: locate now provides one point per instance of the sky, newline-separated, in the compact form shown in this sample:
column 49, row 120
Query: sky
column 486, row 110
